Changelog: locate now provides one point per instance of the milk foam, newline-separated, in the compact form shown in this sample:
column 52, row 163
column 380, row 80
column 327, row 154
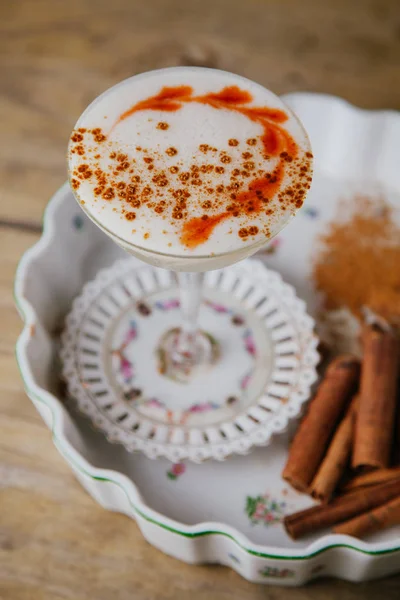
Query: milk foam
column 145, row 176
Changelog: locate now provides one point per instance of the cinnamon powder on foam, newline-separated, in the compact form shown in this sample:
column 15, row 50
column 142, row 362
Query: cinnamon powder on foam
column 358, row 262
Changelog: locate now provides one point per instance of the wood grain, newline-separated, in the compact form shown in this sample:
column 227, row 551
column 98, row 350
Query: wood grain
column 55, row 57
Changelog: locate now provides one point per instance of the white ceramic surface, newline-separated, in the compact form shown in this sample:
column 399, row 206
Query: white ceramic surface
column 264, row 372
column 228, row 512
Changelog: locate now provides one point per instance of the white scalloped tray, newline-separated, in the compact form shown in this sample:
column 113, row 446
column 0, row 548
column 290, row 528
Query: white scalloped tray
column 230, row 512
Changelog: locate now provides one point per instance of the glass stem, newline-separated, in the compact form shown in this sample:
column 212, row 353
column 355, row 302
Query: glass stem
column 190, row 287
column 186, row 351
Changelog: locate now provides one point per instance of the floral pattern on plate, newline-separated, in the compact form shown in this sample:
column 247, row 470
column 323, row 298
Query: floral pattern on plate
column 276, row 573
column 176, row 471
column 264, row 509
column 310, row 211
column 78, row 222
column 125, row 368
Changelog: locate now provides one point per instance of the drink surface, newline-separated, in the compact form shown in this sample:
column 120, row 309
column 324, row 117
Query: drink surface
column 189, row 162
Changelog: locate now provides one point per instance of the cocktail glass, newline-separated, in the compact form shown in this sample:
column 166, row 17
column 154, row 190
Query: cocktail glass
column 187, row 351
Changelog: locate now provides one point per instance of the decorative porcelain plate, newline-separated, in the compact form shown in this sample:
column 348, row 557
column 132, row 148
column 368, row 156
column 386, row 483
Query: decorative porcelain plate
column 263, row 373
column 224, row 512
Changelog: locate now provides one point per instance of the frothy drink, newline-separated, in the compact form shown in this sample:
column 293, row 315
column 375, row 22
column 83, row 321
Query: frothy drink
column 189, row 168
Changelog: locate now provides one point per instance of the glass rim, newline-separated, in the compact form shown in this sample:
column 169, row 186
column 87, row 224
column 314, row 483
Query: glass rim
column 125, row 243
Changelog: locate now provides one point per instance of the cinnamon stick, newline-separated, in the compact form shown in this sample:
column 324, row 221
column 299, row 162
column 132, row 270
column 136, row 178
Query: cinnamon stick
column 371, row 478
column 313, row 435
column 379, row 518
column 341, row 509
column 336, row 458
column 375, row 415
column 396, row 441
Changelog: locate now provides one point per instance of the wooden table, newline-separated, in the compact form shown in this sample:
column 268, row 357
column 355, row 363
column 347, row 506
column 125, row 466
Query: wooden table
column 55, row 542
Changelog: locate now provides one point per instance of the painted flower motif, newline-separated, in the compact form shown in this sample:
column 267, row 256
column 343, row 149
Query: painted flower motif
column 219, row 308
column 237, row 320
column 166, row 305
column 273, row 246
column 203, row 407
column 249, row 342
column 154, row 403
column 176, row 471
column 234, row 558
column 244, row 384
column 78, row 222
column 132, row 394
column 130, row 335
column 264, row 509
column 276, row 573
column 125, row 368
column 310, row 212
column 143, row 309
column 317, row 569
column 232, row 400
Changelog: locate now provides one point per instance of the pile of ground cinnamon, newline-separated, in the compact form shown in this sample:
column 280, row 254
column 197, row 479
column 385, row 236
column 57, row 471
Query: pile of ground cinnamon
column 358, row 262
